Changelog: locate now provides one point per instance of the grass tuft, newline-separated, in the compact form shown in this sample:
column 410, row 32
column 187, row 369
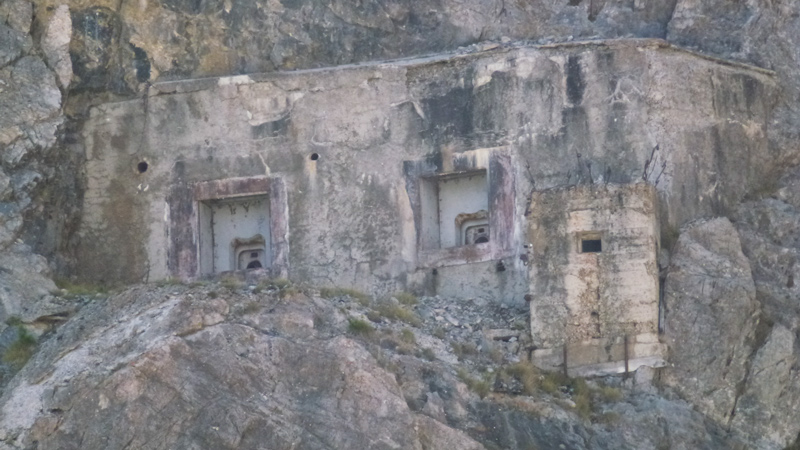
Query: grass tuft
column 68, row 289
column 463, row 350
column 610, row 394
column 251, row 308
column 289, row 291
column 358, row 326
column 361, row 297
column 608, row 418
column 20, row 351
column 478, row 386
column 407, row 336
column 170, row 281
column 231, row 283
column 393, row 311
column 552, row 381
column 582, row 396
column 406, row 298
column 279, row 283
column 526, row 374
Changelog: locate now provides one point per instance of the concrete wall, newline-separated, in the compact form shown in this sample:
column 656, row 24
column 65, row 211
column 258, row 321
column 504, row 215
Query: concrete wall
column 595, row 308
column 351, row 144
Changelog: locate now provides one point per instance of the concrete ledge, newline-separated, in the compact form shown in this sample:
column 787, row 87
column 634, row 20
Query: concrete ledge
column 602, row 356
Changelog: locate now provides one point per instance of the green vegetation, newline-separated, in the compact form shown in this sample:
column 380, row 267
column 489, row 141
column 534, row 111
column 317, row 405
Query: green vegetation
column 282, row 286
column 609, row 394
column 407, row 336
column 463, row 350
column 526, row 374
column 552, row 381
column 171, row 281
column 70, row 290
column 497, row 355
column 608, row 418
column 288, row 291
column 406, row 298
column 279, row 283
column 251, row 308
column 428, row 354
column 361, row 297
column 478, row 386
column 358, row 326
column 582, row 396
column 20, row 351
column 393, row 311
column 231, row 283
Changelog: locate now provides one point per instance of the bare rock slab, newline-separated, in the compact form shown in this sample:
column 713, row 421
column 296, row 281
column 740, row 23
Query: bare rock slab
column 711, row 317
column 770, row 405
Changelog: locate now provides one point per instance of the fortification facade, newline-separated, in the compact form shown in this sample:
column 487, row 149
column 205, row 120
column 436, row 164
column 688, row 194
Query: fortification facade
column 435, row 175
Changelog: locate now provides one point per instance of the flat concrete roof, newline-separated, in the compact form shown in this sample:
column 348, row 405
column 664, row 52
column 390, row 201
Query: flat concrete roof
column 463, row 53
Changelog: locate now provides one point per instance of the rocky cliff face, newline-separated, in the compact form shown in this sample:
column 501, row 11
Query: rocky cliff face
column 235, row 366
column 175, row 367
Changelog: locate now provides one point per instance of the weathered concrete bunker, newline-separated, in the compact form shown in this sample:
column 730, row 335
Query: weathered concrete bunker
column 436, row 175
column 594, row 278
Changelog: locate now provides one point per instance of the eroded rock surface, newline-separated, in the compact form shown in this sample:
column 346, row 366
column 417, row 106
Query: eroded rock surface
column 233, row 367
column 123, row 351
column 711, row 317
column 769, row 406
column 770, row 238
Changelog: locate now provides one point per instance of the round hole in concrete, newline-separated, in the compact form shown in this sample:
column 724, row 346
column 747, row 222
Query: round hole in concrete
column 142, row 167
column 314, row 156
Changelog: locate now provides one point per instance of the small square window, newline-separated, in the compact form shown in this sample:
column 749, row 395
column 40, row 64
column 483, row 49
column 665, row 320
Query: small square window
column 591, row 245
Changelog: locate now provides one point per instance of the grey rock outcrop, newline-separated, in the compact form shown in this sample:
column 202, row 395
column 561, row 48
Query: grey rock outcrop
column 225, row 379
column 711, row 317
column 30, row 114
column 55, row 44
column 770, row 232
column 31, row 108
column 732, row 334
column 761, row 33
column 768, row 409
column 25, row 286
column 226, row 367
column 770, row 237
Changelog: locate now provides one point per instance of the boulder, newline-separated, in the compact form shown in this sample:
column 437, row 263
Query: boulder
column 711, row 317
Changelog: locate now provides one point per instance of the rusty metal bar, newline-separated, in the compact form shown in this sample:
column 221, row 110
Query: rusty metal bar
column 627, row 369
